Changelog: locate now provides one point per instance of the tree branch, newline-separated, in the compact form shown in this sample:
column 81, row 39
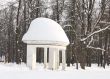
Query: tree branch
column 97, row 48
column 95, row 33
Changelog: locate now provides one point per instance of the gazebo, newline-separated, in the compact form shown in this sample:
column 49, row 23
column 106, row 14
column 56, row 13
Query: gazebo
column 46, row 33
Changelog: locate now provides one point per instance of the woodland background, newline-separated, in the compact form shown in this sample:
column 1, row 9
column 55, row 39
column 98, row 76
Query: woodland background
column 86, row 23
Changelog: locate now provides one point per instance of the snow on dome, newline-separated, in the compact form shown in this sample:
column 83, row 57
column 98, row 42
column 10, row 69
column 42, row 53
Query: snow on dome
column 45, row 31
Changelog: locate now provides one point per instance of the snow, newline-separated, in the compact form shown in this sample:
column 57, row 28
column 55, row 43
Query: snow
column 45, row 31
column 14, row 71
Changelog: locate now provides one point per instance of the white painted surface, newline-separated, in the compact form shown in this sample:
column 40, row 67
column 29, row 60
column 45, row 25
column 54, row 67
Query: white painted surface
column 57, row 58
column 45, row 57
column 31, row 56
column 45, row 33
column 53, row 56
column 63, row 59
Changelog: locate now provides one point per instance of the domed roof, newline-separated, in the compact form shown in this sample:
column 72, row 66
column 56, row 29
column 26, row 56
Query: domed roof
column 45, row 31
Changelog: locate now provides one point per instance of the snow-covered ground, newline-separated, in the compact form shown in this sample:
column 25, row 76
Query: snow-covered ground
column 13, row 71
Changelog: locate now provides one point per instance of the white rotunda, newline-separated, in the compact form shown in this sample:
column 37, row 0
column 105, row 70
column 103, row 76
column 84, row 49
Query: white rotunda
column 47, row 34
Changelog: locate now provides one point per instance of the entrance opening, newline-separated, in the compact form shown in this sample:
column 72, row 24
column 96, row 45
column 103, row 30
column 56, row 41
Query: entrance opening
column 60, row 56
column 40, row 55
column 47, row 55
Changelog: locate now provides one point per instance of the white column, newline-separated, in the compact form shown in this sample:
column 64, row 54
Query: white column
column 52, row 58
column 45, row 57
column 63, row 59
column 57, row 57
column 31, row 56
